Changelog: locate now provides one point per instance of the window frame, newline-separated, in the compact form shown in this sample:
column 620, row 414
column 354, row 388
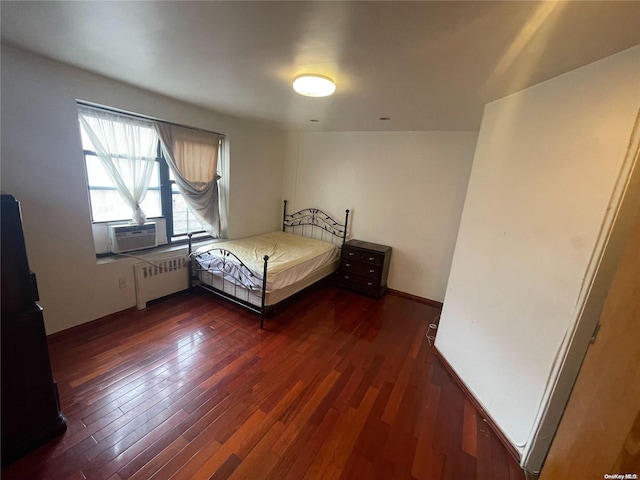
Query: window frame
column 86, row 152
column 166, row 200
column 164, row 182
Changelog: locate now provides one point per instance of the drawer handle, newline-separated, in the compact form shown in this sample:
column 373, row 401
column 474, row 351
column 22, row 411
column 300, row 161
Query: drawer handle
column 351, row 254
column 371, row 259
column 347, row 264
column 370, row 284
column 346, row 277
column 372, row 271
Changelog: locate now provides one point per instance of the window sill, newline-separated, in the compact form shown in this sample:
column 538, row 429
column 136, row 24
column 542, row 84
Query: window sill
column 160, row 251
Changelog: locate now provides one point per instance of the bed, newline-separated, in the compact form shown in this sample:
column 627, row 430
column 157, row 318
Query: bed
column 261, row 271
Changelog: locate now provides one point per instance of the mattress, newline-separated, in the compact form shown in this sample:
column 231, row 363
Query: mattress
column 292, row 258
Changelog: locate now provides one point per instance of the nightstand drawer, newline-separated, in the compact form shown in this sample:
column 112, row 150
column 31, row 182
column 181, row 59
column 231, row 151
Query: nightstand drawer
column 362, row 282
column 361, row 268
column 363, row 256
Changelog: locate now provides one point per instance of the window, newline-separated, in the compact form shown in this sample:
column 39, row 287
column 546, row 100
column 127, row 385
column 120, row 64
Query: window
column 184, row 220
column 106, row 203
column 129, row 176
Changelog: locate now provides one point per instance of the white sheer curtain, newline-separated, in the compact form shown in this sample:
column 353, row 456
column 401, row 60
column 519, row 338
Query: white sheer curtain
column 126, row 147
column 192, row 156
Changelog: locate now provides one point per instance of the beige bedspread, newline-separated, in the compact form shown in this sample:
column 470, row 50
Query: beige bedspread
column 291, row 257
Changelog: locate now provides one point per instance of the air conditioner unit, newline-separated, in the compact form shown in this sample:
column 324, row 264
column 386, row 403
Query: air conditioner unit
column 126, row 238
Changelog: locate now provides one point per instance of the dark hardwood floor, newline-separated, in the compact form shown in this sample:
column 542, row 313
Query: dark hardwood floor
column 338, row 386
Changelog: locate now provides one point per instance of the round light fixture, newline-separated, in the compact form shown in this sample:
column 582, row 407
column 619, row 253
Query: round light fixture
column 312, row 85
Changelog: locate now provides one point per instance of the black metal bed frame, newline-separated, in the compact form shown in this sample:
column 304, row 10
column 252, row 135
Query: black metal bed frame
column 228, row 264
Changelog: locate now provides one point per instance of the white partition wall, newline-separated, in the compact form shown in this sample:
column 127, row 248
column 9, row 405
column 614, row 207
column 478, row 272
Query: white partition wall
column 548, row 166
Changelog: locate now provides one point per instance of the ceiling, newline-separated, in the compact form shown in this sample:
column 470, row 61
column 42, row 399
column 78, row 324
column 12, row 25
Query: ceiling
column 424, row 65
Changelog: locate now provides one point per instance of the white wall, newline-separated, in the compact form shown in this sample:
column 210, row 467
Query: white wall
column 42, row 166
column 404, row 189
column 544, row 173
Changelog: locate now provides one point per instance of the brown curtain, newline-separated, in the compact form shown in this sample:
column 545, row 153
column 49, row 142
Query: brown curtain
column 192, row 156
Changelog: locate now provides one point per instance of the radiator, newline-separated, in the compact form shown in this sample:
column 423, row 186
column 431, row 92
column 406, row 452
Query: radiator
column 158, row 278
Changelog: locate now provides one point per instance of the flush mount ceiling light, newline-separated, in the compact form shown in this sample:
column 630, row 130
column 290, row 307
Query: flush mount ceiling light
column 312, row 85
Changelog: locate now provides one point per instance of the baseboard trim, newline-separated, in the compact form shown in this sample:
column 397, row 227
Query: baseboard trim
column 415, row 298
column 474, row 401
column 92, row 324
column 86, row 326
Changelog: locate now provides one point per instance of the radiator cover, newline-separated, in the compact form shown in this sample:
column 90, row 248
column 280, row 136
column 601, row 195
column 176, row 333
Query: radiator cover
column 159, row 278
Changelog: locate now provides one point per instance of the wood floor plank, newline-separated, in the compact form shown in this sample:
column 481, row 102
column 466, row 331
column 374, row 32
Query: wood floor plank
column 337, row 386
column 220, row 456
column 227, row 468
column 295, row 418
column 393, row 405
column 423, row 460
column 295, row 462
column 351, row 432
column 188, row 460
column 110, row 464
column 260, row 460
column 374, row 434
column 324, row 458
column 150, row 461
column 433, row 463
column 469, row 430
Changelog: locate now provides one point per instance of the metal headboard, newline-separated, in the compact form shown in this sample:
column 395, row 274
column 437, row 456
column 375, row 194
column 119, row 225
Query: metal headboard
column 316, row 218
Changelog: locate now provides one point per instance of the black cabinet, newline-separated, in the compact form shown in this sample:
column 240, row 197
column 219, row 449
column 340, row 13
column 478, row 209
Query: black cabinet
column 364, row 267
column 30, row 407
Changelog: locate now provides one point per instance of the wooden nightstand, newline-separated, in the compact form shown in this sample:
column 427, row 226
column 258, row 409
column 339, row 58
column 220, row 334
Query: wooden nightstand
column 364, row 267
